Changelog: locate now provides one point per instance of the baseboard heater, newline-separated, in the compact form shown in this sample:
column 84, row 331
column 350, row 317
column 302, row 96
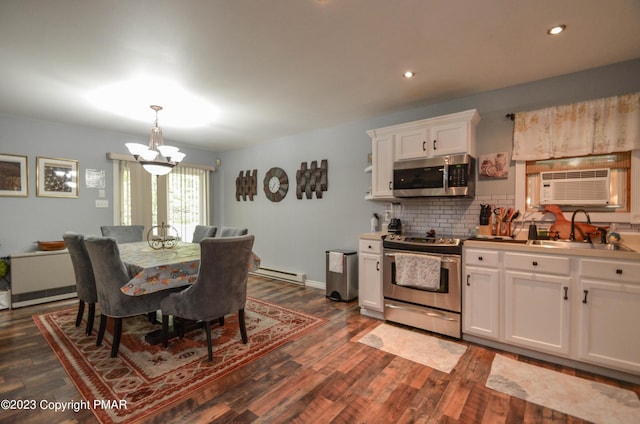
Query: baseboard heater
column 38, row 277
column 294, row 277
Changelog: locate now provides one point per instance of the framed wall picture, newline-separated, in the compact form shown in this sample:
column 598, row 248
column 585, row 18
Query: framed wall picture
column 494, row 165
column 14, row 175
column 57, row 177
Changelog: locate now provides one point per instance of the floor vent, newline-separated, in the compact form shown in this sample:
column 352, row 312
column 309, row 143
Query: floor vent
column 294, row 277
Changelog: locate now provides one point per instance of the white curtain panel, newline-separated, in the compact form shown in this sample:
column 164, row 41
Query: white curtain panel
column 597, row 126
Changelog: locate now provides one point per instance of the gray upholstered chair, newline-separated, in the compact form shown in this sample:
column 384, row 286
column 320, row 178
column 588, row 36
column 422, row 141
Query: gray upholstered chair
column 85, row 281
column 220, row 289
column 203, row 231
column 123, row 233
column 233, row 231
column 111, row 274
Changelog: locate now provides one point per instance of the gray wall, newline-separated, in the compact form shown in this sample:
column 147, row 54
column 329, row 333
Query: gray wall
column 294, row 234
column 25, row 220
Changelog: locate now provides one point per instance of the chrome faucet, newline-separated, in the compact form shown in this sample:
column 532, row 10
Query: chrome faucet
column 572, row 236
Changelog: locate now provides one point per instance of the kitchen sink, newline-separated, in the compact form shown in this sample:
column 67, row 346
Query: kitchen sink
column 568, row 244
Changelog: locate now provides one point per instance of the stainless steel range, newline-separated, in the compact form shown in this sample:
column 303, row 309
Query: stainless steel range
column 435, row 305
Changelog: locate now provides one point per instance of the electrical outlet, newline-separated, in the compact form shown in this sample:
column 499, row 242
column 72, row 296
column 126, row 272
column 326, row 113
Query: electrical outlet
column 102, row 203
column 387, row 216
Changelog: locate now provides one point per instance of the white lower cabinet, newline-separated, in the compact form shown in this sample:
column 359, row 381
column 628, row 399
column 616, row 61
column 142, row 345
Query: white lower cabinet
column 481, row 294
column 536, row 301
column 537, row 311
column 579, row 308
column 370, row 276
column 609, row 312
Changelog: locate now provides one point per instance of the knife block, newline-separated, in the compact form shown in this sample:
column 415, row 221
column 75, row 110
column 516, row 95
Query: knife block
column 485, row 230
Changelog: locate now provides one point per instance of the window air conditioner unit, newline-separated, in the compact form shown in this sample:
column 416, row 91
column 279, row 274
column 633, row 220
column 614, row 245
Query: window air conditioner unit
column 584, row 187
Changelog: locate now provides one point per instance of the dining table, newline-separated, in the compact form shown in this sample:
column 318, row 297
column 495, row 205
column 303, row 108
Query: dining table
column 152, row 269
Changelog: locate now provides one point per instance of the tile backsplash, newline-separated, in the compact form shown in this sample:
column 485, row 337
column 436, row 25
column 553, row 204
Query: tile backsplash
column 459, row 217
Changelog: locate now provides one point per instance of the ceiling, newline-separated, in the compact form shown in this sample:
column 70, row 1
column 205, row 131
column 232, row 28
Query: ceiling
column 281, row 67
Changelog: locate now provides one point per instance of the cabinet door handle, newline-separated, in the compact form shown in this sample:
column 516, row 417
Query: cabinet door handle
column 369, row 246
column 586, row 292
column 479, row 258
column 566, row 290
column 424, row 146
column 619, row 271
column 468, row 276
column 378, row 266
column 390, row 185
column 535, row 263
column 434, row 144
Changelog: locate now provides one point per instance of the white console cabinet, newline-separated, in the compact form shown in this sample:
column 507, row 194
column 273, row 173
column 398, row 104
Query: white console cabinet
column 38, row 277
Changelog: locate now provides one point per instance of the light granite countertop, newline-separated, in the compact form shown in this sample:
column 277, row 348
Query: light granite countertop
column 630, row 240
column 373, row 236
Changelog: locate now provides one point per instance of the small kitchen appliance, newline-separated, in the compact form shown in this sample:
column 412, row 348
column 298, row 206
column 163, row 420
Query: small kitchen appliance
column 395, row 226
column 442, row 176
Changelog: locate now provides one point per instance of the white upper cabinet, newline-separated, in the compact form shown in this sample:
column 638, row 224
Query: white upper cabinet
column 382, row 170
column 440, row 136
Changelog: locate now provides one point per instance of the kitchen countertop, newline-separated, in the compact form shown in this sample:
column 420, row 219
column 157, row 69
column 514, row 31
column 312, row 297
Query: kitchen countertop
column 521, row 246
column 373, row 236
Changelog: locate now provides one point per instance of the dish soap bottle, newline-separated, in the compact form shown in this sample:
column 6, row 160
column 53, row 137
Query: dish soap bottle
column 533, row 231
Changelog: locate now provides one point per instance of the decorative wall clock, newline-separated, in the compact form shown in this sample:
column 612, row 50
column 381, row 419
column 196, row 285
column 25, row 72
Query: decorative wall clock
column 276, row 184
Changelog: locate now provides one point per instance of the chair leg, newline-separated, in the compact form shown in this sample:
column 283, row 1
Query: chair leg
column 243, row 326
column 90, row 318
column 80, row 313
column 103, row 327
column 207, row 329
column 165, row 330
column 179, row 326
column 221, row 321
column 117, row 332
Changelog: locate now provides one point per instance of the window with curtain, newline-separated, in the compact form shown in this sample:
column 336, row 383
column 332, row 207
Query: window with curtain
column 179, row 199
column 601, row 133
column 593, row 127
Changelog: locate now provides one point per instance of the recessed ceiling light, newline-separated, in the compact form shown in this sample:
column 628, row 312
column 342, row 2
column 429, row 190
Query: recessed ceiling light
column 555, row 30
column 409, row 74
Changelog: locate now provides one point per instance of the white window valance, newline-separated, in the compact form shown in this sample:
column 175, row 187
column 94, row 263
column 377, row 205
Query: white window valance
column 597, row 126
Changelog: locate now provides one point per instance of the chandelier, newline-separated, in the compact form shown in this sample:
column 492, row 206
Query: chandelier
column 156, row 158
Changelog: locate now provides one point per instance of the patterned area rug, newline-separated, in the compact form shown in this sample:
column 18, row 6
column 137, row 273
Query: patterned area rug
column 578, row 397
column 431, row 351
column 149, row 378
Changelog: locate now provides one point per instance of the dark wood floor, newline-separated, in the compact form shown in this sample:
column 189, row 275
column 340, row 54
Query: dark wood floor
column 320, row 378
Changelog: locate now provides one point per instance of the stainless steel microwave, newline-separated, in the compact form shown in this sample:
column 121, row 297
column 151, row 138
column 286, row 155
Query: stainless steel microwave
column 442, row 176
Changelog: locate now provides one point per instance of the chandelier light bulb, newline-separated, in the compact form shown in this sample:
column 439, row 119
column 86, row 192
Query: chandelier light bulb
column 156, row 158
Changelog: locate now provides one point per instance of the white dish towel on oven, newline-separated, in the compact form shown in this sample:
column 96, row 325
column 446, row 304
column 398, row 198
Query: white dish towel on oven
column 335, row 262
column 421, row 271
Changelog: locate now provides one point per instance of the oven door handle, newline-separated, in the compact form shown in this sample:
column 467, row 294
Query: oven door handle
column 451, row 261
column 428, row 313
